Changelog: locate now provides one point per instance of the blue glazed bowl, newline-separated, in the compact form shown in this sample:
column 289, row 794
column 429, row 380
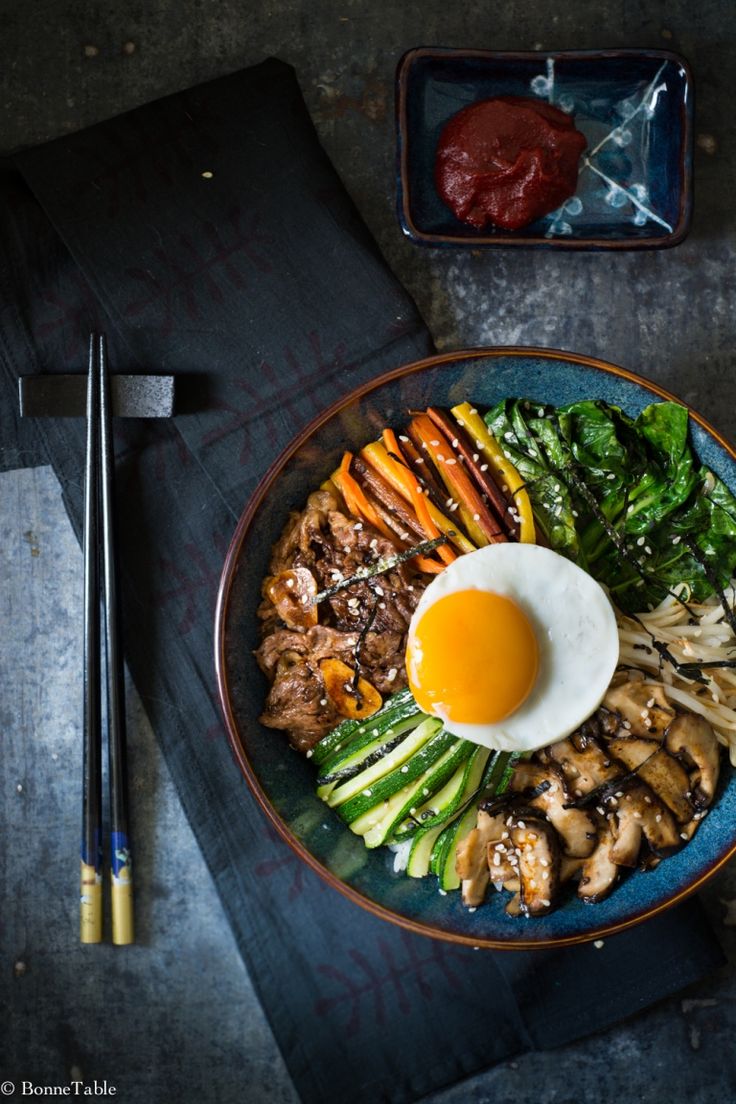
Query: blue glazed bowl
column 283, row 782
column 635, row 107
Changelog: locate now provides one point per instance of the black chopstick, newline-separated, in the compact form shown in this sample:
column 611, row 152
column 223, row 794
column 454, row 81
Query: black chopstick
column 90, row 907
column 120, row 853
column 99, row 512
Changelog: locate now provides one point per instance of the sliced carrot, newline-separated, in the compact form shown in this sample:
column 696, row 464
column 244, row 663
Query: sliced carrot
column 421, row 506
column 477, row 521
column 355, row 498
column 402, row 480
column 431, row 567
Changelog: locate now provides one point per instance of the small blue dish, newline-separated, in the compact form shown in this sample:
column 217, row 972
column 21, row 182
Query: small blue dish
column 283, row 783
column 635, row 107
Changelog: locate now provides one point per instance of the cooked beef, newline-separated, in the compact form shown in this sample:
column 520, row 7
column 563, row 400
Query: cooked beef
column 332, row 547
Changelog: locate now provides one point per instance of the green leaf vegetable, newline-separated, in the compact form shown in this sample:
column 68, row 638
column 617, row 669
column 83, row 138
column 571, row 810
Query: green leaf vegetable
column 623, row 497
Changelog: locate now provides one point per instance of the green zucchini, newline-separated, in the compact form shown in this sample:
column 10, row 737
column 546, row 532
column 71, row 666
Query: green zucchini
column 418, row 863
column 353, row 761
column 416, row 767
column 455, row 834
column 464, row 783
column 394, row 709
column 411, row 743
column 382, row 823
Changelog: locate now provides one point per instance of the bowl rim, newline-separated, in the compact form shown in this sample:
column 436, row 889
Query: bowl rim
column 220, row 627
column 534, row 241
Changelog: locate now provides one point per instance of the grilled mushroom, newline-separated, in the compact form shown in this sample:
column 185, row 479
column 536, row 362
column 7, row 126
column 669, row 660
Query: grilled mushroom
column 536, row 845
column 658, row 769
column 599, row 871
column 691, row 738
column 577, row 828
column 643, row 706
column 471, row 860
column 639, row 814
column 585, row 767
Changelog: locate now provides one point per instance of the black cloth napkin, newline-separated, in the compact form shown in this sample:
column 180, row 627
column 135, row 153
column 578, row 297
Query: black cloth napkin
column 209, row 235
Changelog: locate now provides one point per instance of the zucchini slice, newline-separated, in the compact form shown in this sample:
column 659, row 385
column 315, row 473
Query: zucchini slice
column 384, row 819
column 395, row 708
column 411, row 743
column 421, row 849
column 461, row 787
column 455, row 834
column 352, row 760
column 415, row 767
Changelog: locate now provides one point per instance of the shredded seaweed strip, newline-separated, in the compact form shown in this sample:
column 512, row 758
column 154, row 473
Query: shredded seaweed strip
column 381, row 566
column 359, row 646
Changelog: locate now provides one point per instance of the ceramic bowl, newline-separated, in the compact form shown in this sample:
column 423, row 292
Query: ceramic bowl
column 283, row 782
column 635, row 107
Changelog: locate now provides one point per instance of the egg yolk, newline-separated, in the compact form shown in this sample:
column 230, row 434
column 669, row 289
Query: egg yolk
column 473, row 656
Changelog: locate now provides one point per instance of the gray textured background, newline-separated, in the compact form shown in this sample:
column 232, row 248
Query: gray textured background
column 185, row 1024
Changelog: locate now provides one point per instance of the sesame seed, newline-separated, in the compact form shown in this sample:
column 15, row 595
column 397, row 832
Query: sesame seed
column 619, row 793
column 496, row 859
column 648, row 550
column 323, row 701
column 374, row 543
column 545, row 902
column 650, row 703
column 476, row 457
column 676, row 540
column 358, row 525
column 600, row 809
column 476, row 517
column 310, row 753
column 484, row 467
column 683, row 835
column 460, row 423
column 636, row 816
column 540, row 412
column 367, row 793
column 455, row 442
column 610, row 475
column 658, row 817
column 419, row 460
column 598, row 944
column 404, row 439
column 392, row 674
column 289, row 583
column 522, row 824
column 641, row 541
column 404, row 769
column 449, row 462
column 473, row 411
column 545, row 875
column 434, row 443
column 648, row 799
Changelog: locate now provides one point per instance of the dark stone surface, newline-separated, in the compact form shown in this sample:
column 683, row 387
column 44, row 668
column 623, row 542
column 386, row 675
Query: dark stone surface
column 175, row 1016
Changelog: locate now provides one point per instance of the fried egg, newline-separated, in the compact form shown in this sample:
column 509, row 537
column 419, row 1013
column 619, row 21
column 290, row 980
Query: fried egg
column 512, row 646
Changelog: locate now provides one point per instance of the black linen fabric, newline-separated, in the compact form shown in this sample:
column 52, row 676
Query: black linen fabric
column 209, row 236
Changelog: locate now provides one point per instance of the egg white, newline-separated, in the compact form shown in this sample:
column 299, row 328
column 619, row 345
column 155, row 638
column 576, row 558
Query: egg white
column 575, row 626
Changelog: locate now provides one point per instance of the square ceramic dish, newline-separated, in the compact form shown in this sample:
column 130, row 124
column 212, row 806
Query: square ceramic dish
column 635, row 107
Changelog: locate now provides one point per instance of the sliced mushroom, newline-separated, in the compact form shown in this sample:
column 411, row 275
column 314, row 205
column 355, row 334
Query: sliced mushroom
column 536, row 845
column 585, row 767
column 599, row 871
column 658, row 769
column 292, row 592
column 640, row 814
column 577, row 829
column 692, row 738
column 471, row 859
column 356, row 702
column 643, row 705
